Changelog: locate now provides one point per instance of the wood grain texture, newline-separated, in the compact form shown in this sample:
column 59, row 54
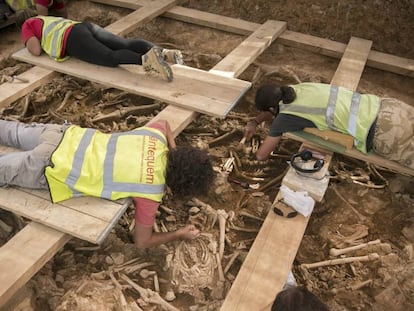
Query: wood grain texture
column 10, row 92
column 242, row 56
column 61, row 217
column 24, row 255
column 352, row 63
column 199, row 91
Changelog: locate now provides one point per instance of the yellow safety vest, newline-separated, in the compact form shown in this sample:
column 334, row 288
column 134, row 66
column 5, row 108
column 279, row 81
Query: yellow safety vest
column 110, row 166
column 336, row 108
column 53, row 32
column 18, row 5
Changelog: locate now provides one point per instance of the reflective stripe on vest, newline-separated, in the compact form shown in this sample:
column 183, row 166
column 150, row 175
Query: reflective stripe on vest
column 330, row 110
column 107, row 183
column 53, row 33
column 353, row 112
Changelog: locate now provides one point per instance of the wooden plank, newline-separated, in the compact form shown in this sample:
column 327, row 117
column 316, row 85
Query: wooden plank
column 352, row 64
column 197, row 17
column 201, row 92
column 178, row 118
column 266, row 267
column 336, row 137
column 33, row 246
column 220, row 22
column 58, row 216
column 23, row 255
column 228, row 67
column 142, row 15
column 379, row 60
column 98, row 208
column 250, row 48
column 10, row 92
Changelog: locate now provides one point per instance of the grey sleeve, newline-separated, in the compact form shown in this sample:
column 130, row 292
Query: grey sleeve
column 288, row 123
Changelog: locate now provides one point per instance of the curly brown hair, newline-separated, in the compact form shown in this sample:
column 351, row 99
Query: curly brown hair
column 189, row 171
column 269, row 96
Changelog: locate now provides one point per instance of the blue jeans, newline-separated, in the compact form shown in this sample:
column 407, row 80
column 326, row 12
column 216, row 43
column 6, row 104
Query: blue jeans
column 37, row 142
column 95, row 45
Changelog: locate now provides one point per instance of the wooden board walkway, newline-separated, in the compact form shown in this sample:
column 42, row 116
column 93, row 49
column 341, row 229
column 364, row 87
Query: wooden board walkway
column 266, row 267
column 23, row 255
column 191, row 88
column 54, row 240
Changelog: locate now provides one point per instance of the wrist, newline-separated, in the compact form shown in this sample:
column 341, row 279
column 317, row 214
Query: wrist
column 254, row 122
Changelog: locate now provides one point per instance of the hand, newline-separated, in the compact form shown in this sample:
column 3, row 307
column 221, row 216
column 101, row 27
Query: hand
column 189, row 232
column 250, row 129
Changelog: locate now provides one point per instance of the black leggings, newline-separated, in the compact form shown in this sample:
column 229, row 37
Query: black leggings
column 93, row 44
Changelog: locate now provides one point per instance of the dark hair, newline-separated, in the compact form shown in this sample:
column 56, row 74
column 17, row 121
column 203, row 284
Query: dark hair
column 189, row 171
column 23, row 15
column 269, row 96
column 298, row 299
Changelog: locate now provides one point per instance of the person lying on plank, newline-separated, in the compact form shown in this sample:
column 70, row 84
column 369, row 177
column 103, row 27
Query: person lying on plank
column 383, row 125
column 62, row 38
column 71, row 161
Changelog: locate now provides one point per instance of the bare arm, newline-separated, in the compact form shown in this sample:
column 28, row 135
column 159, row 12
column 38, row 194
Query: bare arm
column 145, row 237
column 33, row 46
column 267, row 147
column 169, row 134
column 250, row 128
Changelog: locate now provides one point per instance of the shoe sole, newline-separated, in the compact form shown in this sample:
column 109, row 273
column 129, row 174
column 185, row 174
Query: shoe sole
column 160, row 66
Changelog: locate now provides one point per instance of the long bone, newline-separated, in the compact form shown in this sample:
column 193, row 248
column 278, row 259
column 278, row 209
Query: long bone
column 222, row 217
column 341, row 251
column 231, row 261
column 207, row 210
column 220, row 268
column 341, row 261
column 149, row 295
